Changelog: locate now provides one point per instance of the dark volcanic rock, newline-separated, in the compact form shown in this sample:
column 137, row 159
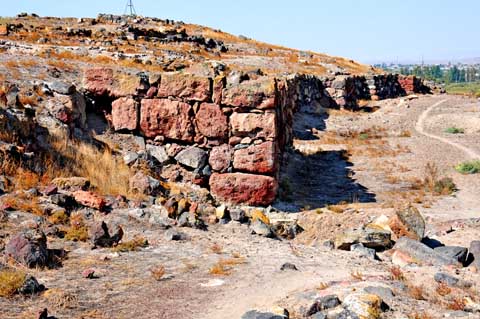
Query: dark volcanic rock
column 100, row 235
column 31, row 286
column 323, row 303
column 28, row 248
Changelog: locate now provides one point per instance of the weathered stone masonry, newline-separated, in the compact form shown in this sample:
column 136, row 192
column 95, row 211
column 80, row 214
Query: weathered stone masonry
column 231, row 136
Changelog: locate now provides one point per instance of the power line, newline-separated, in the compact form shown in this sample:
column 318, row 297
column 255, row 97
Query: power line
column 130, row 8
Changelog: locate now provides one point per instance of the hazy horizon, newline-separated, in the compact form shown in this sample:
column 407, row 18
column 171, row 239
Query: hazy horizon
column 370, row 31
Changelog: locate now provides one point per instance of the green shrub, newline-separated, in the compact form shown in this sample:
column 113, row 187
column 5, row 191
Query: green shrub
column 472, row 167
column 454, row 130
column 364, row 136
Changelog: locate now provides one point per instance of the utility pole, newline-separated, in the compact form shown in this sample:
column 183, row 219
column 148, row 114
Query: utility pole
column 130, row 8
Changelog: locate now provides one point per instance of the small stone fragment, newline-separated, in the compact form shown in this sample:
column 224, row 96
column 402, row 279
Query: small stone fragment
column 288, row 266
column 323, row 303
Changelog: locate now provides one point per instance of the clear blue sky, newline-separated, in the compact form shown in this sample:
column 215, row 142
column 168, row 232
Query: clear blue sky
column 366, row 30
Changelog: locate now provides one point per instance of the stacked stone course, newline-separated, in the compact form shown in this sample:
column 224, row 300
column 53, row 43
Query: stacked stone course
column 240, row 130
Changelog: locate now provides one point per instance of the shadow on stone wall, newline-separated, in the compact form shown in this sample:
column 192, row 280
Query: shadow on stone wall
column 311, row 179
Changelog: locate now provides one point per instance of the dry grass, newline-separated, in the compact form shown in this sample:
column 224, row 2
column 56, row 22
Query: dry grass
column 10, row 281
column 107, row 173
column 337, row 209
column 25, row 179
column 216, row 249
column 397, row 273
column 60, row 299
column 29, row 205
column 58, row 217
column 436, row 185
column 323, row 286
column 416, row 292
column 231, row 262
column 131, row 245
column 219, row 270
column 443, row 289
column 357, row 275
column 224, row 267
column 457, row 304
column 420, row 315
column 77, row 231
column 158, row 272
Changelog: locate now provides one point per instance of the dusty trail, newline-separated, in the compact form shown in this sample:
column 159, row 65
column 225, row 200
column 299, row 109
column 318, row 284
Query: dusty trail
column 419, row 127
column 464, row 205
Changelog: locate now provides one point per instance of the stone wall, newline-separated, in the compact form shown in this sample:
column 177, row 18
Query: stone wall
column 346, row 91
column 221, row 133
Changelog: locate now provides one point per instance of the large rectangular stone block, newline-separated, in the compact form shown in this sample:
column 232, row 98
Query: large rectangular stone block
column 106, row 81
column 125, row 114
column 254, row 125
column 211, row 122
column 260, row 94
column 167, row 118
column 239, row 188
column 185, row 86
column 259, row 158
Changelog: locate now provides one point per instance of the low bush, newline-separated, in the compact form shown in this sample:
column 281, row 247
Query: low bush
column 454, row 130
column 472, row 167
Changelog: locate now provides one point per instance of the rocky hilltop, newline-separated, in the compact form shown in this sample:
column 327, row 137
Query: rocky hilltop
column 219, row 106
column 117, row 131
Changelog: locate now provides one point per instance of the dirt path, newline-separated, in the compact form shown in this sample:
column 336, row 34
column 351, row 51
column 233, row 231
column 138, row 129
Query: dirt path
column 419, row 127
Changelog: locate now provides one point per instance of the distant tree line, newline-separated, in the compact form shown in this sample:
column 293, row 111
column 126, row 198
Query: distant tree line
column 436, row 73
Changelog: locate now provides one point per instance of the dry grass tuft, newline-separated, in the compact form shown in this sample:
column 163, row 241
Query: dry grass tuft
column 416, row 292
column 457, row 304
column 224, row 267
column 443, row 289
column 231, row 262
column 10, row 281
column 77, row 231
column 323, row 286
column 397, row 273
column 25, row 179
column 216, row 249
column 58, row 217
column 132, row 245
column 420, row 315
column 59, row 299
column 158, row 272
column 219, row 270
column 106, row 172
column 436, row 185
column 357, row 275
column 29, row 205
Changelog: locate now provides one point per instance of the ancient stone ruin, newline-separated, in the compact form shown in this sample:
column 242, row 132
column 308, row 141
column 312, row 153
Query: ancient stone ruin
column 227, row 134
